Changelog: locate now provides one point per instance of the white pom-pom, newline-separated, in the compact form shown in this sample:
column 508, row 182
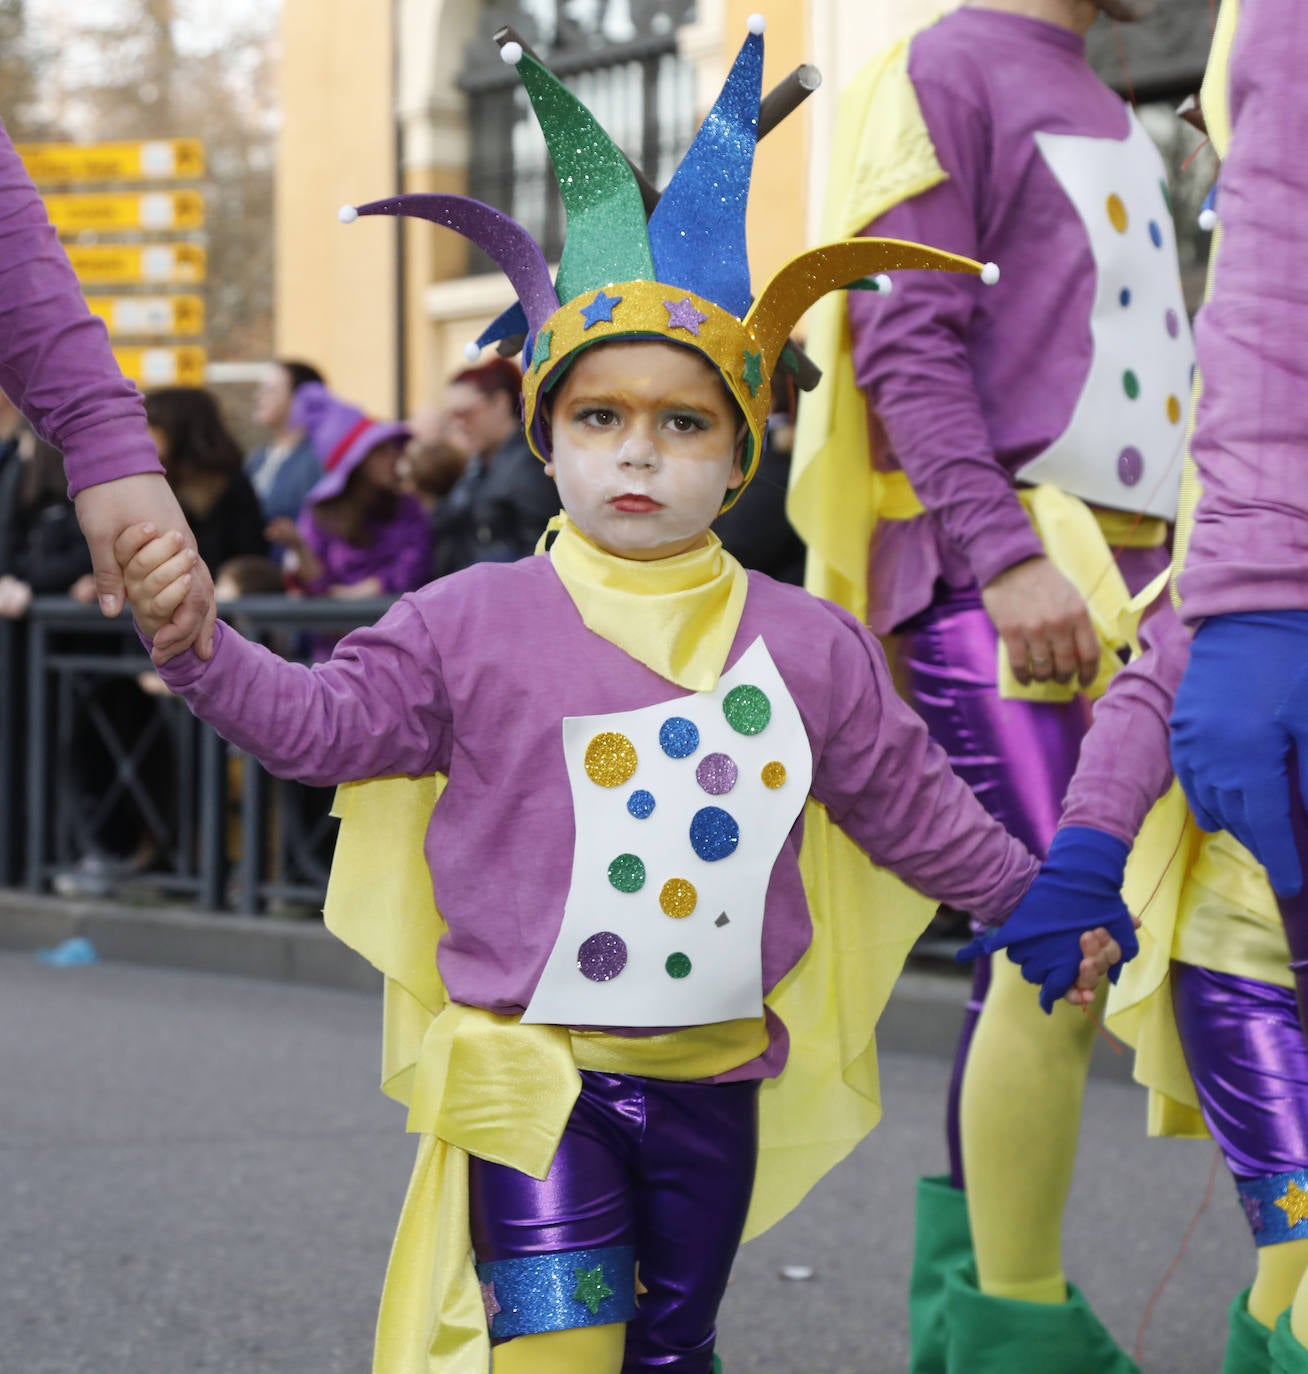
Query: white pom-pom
column 1208, row 219
column 511, row 54
column 756, row 23
column 883, row 283
column 990, row 273
column 347, row 214
column 472, row 350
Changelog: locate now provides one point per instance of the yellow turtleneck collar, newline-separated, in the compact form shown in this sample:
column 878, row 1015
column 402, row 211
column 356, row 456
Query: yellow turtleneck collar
column 677, row 616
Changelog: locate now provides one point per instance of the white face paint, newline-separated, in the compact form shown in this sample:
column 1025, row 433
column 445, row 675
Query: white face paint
column 646, row 444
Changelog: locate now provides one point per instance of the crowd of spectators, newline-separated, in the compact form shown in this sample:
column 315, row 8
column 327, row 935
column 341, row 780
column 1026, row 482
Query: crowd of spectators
column 332, row 503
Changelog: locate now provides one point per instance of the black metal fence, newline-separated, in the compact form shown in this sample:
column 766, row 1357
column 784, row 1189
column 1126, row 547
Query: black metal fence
column 89, row 750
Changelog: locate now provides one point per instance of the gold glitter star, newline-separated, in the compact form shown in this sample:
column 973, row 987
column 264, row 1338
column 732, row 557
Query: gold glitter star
column 1294, row 1204
column 591, row 1288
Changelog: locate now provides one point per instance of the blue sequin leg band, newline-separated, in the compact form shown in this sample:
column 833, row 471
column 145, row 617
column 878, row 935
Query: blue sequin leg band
column 559, row 1291
column 1276, row 1207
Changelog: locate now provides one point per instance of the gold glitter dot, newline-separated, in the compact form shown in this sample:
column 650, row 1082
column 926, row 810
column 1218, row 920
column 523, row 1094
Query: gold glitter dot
column 774, row 774
column 1173, row 409
column 610, row 759
column 678, row 897
column 1117, row 214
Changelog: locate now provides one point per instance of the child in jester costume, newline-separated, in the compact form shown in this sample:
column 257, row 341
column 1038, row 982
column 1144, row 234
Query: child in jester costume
column 644, row 789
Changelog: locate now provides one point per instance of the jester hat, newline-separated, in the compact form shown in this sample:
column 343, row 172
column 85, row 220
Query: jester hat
column 681, row 276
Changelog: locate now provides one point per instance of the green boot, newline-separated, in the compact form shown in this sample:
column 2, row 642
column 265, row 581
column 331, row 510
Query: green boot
column 1003, row 1336
column 1288, row 1356
column 942, row 1241
column 717, row 1365
column 1246, row 1342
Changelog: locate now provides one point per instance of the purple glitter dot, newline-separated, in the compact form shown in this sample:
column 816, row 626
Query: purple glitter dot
column 1130, row 465
column 1173, row 323
column 602, row 957
column 716, row 774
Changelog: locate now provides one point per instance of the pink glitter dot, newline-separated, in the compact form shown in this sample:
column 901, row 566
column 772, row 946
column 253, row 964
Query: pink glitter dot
column 716, row 774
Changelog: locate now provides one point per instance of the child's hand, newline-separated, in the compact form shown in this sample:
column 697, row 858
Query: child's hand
column 1100, row 955
column 156, row 572
column 1072, row 926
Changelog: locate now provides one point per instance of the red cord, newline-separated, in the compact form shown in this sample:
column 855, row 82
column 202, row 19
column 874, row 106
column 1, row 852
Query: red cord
column 1176, row 1262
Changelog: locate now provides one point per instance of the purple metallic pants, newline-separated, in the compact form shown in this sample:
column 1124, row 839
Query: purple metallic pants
column 1244, row 1047
column 1017, row 756
column 649, row 1173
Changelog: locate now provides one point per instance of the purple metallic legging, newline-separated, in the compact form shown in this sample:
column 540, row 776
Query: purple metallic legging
column 648, row 1170
column 1244, row 1047
column 1017, row 756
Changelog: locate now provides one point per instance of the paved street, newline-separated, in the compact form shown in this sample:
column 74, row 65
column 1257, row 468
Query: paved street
column 198, row 1173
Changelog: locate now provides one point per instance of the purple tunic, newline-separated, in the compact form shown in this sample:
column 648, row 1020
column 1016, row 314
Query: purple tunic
column 398, row 552
column 969, row 382
column 1250, row 539
column 473, row 675
column 55, row 362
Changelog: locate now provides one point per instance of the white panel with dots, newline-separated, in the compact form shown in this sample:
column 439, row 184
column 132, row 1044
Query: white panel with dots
column 1124, row 445
column 681, row 810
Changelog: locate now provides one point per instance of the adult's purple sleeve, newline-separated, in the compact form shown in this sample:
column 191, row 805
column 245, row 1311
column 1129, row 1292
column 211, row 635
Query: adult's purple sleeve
column 1124, row 766
column 1249, row 545
column 889, row 786
column 910, row 354
column 56, row 365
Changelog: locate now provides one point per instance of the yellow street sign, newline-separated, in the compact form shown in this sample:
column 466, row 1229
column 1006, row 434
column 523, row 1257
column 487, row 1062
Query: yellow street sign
column 158, row 159
column 113, row 212
column 134, row 316
column 117, row 264
column 182, row 365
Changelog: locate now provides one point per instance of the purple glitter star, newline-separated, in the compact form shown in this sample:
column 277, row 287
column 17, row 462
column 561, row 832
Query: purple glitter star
column 490, row 1303
column 683, row 315
column 1253, row 1210
column 600, row 310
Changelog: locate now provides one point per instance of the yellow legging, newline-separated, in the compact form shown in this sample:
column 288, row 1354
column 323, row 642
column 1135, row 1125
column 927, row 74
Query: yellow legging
column 585, row 1350
column 1280, row 1282
column 1020, row 1116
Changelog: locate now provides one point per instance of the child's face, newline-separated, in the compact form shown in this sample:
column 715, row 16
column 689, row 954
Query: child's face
column 645, row 446
column 381, row 466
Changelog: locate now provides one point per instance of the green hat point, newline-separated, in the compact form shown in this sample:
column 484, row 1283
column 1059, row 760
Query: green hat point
column 607, row 238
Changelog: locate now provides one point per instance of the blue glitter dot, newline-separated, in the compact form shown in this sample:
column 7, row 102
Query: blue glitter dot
column 678, row 737
column 714, row 833
column 1155, row 234
column 641, row 804
column 1125, row 296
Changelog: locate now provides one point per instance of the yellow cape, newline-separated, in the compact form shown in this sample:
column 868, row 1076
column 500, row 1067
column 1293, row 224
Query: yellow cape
column 445, row 1062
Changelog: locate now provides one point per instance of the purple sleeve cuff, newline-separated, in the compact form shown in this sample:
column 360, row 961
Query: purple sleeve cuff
column 1125, row 766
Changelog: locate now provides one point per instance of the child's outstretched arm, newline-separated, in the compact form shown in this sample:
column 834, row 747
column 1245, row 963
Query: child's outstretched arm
column 377, row 707
column 1123, row 770
column 157, row 573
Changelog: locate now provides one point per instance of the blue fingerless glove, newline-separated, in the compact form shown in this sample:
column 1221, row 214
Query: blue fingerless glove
column 1078, row 888
column 1240, row 710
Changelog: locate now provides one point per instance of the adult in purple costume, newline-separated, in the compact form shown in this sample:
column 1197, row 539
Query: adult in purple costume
column 57, row 368
column 975, row 395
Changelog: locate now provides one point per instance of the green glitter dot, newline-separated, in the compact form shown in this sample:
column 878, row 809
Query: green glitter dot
column 1130, row 384
column 1167, row 195
column 678, row 965
column 627, row 873
column 747, row 710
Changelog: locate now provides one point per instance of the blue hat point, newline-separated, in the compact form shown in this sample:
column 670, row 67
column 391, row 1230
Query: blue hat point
column 697, row 230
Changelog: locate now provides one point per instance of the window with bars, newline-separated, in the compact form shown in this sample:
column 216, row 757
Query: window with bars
column 619, row 56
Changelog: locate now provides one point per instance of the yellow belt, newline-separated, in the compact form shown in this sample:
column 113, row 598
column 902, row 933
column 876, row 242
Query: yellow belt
column 486, row 1085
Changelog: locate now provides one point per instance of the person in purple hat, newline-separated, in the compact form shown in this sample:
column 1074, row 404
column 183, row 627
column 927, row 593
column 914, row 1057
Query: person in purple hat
column 358, row 535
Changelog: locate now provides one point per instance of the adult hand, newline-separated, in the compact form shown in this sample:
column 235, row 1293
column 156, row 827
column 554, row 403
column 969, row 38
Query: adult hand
column 1043, row 622
column 1241, row 709
column 83, row 591
column 1072, row 926
column 104, row 511
column 15, row 597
